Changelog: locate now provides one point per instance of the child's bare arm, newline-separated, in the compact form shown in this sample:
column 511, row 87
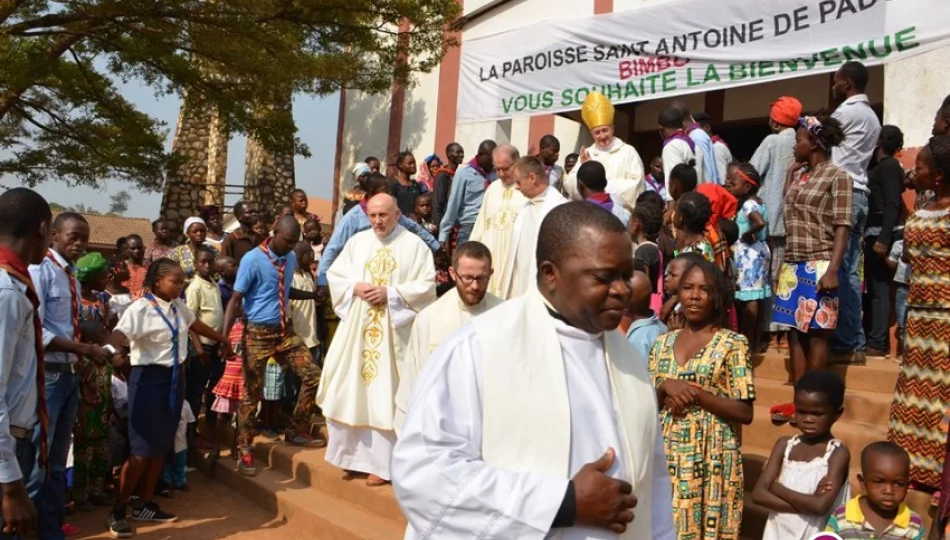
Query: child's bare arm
column 762, row 495
column 819, row 504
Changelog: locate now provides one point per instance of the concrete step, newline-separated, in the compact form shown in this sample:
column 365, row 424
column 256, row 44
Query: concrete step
column 309, row 468
column 308, row 512
column 879, row 375
column 859, row 405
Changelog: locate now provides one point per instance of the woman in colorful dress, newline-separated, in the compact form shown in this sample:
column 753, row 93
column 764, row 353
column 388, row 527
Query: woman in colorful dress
column 818, row 222
column 704, row 386
column 214, row 238
column 91, row 432
column 751, row 252
column 185, row 255
column 923, row 393
column 163, row 244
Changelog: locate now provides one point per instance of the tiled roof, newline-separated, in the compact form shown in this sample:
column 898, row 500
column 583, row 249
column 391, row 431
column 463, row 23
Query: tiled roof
column 322, row 208
column 105, row 230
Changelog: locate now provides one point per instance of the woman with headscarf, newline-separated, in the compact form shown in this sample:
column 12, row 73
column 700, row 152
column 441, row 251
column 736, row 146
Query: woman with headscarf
column 772, row 159
column 196, row 230
column 91, row 431
column 430, row 165
column 214, row 221
column 818, row 222
column 354, row 195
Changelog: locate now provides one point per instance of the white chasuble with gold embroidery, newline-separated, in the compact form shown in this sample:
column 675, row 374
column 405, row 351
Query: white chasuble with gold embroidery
column 359, row 379
column 494, row 227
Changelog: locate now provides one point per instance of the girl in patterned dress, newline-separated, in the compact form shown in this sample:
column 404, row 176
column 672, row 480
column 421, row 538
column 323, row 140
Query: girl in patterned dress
column 704, row 386
column 751, row 252
column 923, row 386
column 228, row 392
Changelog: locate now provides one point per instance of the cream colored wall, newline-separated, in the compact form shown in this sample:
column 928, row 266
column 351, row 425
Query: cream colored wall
column 915, row 88
column 365, row 131
column 419, row 116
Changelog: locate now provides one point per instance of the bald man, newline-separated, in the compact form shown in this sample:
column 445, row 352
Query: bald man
column 646, row 325
column 263, row 290
column 538, row 420
column 495, row 224
column 381, row 280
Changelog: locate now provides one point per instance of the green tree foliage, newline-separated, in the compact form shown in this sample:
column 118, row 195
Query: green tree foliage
column 62, row 63
column 119, row 203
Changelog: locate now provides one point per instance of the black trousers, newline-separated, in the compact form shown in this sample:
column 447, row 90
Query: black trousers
column 877, row 297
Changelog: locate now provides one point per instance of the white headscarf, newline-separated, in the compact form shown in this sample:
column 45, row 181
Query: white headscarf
column 193, row 220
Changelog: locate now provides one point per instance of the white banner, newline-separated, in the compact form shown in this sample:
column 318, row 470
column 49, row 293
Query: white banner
column 686, row 46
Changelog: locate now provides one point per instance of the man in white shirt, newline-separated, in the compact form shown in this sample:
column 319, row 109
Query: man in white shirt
column 471, row 269
column 678, row 148
column 862, row 129
column 25, row 220
column 549, row 149
column 538, row 420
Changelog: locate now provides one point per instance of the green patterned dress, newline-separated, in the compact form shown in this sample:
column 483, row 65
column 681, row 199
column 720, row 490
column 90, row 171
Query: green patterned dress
column 91, row 464
column 702, row 449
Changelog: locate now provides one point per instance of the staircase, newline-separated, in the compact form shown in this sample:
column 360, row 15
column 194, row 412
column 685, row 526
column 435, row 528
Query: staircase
column 315, row 499
column 318, row 501
column 869, row 391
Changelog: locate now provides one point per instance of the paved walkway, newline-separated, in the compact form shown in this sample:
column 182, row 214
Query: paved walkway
column 209, row 511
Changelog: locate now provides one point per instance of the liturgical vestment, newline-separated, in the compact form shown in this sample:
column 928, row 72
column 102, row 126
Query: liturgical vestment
column 495, row 226
column 624, row 173
column 359, row 379
column 431, row 327
column 507, row 410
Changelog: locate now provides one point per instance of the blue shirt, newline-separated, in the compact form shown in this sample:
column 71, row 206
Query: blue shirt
column 643, row 334
column 17, row 371
column 465, row 200
column 56, row 304
column 257, row 281
column 356, row 221
column 704, row 144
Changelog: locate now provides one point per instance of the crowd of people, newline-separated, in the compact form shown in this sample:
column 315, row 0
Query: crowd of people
column 455, row 333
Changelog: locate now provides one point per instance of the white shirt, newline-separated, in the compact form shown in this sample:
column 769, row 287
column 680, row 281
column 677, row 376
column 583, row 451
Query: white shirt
column 181, row 435
column 303, row 313
column 675, row 152
column 861, row 132
column 447, row 491
column 149, row 337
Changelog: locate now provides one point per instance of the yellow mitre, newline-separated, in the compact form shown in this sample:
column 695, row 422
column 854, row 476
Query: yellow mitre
column 597, row 111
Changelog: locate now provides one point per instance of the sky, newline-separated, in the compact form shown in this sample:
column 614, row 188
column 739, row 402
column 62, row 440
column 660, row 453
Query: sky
column 316, row 121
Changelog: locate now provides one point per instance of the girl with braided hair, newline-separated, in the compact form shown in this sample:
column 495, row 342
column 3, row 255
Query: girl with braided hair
column 923, row 393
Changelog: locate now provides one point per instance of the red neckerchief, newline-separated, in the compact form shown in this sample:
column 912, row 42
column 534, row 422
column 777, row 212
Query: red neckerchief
column 718, row 139
column 17, row 269
column 280, row 266
column 680, row 135
column 602, row 200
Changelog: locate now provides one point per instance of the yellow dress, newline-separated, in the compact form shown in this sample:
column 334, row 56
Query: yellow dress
column 702, row 449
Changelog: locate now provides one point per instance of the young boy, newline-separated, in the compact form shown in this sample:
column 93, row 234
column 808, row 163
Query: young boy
column 881, row 513
column 204, row 300
column 422, row 214
column 226, row 268
column 303, row 315
column 174, row 474
column 901, row 271
column 311, row 235
column 645, row 327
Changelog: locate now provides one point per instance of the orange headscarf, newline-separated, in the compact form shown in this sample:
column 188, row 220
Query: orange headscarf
column 786, row 111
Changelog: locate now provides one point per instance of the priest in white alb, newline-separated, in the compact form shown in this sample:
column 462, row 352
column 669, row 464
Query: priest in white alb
column 538, row 420
column 622, row 162
column 471, row 269
column 521, row 267
column 495, row 224
column 381, row 280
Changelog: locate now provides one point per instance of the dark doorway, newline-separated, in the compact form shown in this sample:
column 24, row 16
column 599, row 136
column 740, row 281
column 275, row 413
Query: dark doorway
column 744, row 137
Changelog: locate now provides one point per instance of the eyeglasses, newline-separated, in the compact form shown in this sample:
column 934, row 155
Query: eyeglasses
column 468, row 280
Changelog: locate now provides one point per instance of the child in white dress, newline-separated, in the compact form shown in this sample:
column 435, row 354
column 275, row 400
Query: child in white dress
column 806, row 477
